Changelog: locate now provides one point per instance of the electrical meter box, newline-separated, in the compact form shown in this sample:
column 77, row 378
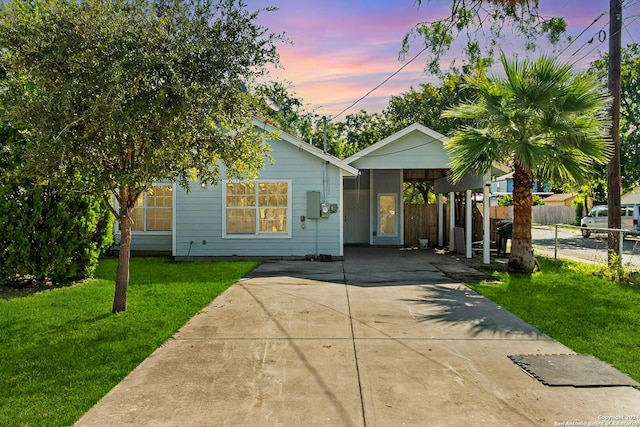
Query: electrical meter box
column 313, row 204
column 324, row 210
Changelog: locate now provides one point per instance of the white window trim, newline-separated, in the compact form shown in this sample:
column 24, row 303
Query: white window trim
column 145, row 208
column 257, row 234
column 395, row 216
column 116, row 226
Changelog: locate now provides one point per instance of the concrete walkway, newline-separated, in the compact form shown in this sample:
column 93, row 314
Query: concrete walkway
column 383, row 338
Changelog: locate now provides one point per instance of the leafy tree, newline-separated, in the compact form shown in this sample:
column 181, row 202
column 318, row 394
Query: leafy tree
column 483, row 20
column 418, row 192
column 426, row 105
column 118, row 94
column 507, row 200
column 286, row 111
column 293, row 116
column 542, row 120
column 362, row 129
column 629, row 113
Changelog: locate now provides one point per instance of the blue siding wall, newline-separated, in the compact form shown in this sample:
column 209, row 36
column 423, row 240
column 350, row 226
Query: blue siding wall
column 199, row 213
column 148, row 242
column 412, row 151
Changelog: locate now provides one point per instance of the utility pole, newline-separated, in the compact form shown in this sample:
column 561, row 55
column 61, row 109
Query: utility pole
column 613, row 168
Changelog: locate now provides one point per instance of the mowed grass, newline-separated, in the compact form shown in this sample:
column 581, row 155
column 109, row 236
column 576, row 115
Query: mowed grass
column 61, row 350
column 574, row 304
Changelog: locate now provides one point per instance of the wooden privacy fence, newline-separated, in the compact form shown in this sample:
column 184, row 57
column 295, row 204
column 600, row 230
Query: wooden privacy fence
column 540, row 214
column 421, row 220
column 554, row 215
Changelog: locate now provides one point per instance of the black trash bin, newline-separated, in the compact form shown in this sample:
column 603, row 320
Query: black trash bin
column 503, row 230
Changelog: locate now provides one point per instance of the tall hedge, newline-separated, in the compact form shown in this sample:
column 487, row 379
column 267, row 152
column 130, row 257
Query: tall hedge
column 47, row 232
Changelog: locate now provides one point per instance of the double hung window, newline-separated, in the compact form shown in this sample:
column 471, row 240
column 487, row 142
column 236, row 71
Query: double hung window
column 154, row 210
column 260, row 208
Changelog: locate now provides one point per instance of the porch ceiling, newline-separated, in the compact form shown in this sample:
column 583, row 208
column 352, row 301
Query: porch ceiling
column 422, row 175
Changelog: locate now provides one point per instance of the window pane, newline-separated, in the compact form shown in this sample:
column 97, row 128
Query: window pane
column 387, row 214
column 240, row 194
column 241, row 221
column 159, row 219
column 273, row 220
column 137, row 216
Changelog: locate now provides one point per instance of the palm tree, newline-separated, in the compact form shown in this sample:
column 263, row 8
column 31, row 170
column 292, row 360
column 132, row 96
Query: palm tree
column 544, row 121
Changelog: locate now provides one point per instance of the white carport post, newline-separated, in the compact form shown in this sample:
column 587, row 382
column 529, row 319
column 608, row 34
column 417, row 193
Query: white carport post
column 452, row 221
column 440, row 207
column 486, row 221
column 468, row 225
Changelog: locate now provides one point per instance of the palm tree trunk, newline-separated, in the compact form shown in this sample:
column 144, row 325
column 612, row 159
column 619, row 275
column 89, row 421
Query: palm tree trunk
column 521, row 259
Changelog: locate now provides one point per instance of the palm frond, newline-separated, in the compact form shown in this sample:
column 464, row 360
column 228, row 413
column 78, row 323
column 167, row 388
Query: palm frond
column 474, row 150
column 550, row 121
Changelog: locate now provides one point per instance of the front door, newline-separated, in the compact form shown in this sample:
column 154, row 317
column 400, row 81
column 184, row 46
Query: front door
column 356, row 217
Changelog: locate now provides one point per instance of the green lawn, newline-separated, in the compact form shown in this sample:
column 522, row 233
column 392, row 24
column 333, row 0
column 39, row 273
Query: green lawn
column 575, row 305
column 61, row 350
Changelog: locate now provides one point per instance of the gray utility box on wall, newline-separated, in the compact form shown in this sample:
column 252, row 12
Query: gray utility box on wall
column 313, row 204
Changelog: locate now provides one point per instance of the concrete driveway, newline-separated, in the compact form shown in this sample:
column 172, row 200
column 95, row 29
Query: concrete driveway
column 383, row 338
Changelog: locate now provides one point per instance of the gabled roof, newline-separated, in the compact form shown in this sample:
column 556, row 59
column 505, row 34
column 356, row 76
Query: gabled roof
column 300, row 144
column 504, row 177
column 396, row 136
column 559, row 197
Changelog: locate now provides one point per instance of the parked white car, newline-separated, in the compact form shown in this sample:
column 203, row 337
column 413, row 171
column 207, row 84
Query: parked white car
column 635, row 224
column 598, row 218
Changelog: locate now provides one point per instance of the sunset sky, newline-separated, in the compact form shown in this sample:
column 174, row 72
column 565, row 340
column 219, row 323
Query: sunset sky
column 341, row 49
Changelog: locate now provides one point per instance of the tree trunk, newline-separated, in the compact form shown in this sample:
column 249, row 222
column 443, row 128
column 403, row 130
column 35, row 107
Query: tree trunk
column 122, row 275
column 521, row 259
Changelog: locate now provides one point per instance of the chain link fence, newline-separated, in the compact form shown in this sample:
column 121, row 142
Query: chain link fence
column 565, row 241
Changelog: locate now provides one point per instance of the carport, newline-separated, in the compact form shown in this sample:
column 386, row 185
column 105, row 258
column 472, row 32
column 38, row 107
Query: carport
column 373, row 213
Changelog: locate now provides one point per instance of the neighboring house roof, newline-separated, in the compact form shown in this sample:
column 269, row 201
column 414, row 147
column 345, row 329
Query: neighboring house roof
column 560, row 197
column 504, row 177
column 300, row 144
column 631, row 197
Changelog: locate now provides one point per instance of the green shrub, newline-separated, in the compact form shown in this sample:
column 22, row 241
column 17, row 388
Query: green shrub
column 47, row 233
column 505, row 200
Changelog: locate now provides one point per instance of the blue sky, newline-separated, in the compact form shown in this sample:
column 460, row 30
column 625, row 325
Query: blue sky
column 341, row 49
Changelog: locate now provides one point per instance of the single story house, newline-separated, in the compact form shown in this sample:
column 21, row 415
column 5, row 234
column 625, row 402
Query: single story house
column 562, row 199
column 306, row 202
column 503, row 185
column 631, row 197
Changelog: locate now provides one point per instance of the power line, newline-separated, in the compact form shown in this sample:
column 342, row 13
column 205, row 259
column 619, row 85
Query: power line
column 601, row 37
column 626, row 24
column 583, row 31
column 379, row 85
column 559, row 53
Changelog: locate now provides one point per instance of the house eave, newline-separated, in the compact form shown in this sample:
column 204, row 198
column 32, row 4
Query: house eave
column 300, row 144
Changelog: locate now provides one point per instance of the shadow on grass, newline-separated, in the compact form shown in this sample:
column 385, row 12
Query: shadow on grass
column 142, row 271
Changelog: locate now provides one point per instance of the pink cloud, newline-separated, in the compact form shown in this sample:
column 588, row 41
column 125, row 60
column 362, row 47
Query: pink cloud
column 342, row 49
